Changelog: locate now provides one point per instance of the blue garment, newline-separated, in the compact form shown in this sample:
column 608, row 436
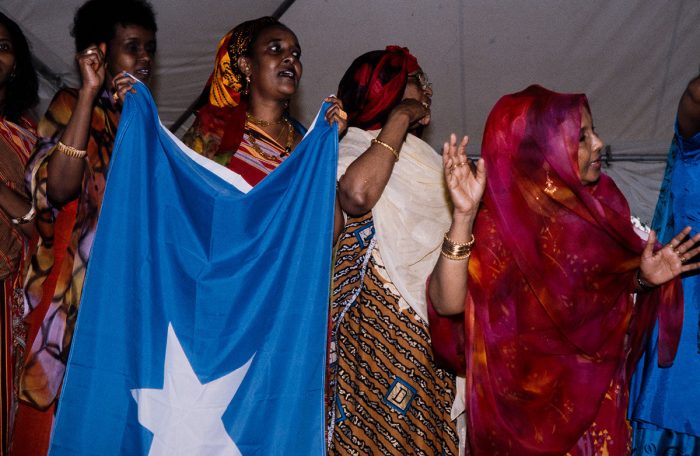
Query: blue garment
column 189, row 270
column 665, row 402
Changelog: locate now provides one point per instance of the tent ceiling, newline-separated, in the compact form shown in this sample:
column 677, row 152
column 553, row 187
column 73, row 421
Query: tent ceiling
column 632, row 58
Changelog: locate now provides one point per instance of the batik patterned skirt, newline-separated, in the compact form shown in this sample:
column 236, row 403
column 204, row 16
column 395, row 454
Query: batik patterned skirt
column 386, row 396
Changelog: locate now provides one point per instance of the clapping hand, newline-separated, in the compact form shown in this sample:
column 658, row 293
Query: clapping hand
column 465, row 182
column 671, row 260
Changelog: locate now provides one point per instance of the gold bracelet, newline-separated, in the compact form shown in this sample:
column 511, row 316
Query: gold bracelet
column 456, row 257
column 386, row 146
column 456, row 251
column 454, row 244
column 70, row 151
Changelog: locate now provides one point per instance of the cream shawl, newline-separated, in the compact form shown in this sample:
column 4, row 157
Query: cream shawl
column 412, row 215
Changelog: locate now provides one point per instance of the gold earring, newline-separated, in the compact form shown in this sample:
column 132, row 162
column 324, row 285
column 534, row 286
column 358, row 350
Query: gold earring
column 247, row 85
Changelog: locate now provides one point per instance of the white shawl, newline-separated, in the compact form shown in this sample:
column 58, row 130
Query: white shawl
column 412, row 215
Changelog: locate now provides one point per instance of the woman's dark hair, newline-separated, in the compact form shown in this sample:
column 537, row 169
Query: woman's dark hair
column 255, row 27
column 22, row 89
column 96, row 20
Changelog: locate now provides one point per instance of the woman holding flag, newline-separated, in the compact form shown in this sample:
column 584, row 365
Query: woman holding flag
column 69, row 166
column 243, row 119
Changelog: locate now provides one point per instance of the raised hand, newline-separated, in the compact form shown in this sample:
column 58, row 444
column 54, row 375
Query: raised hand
column 92, row 68
column 659, row 267
column 465, row 182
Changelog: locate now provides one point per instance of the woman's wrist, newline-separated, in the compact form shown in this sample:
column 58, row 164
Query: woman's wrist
column 641, row 284
column 88, row 94
column 465, row 218
column 399, row 117
column 461, row 229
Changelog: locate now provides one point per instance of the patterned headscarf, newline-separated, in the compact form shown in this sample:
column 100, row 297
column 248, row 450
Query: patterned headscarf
column 223, row 104
column 550, row 282
column 374, row 84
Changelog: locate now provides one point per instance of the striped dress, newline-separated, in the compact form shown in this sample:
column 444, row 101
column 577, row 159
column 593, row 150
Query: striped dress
column 250, row 163
column 16, row 142
column 386, row 395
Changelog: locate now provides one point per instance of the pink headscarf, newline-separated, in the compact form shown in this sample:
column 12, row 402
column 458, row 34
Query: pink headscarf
column 550, row 283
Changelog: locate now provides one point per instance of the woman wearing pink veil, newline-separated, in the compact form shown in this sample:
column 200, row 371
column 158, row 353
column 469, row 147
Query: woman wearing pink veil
column 551, row 329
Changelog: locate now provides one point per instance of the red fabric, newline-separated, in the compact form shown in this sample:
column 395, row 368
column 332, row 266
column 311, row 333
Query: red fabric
column 226, row 123
column 550, row 280
column 447, row 336
column 63, row 228
column 374, row 84
column 32, row 430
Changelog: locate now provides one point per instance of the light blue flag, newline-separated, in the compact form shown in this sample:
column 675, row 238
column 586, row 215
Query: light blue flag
column 202, row 329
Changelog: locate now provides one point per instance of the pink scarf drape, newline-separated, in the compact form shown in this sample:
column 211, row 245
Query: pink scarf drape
column 549, row 312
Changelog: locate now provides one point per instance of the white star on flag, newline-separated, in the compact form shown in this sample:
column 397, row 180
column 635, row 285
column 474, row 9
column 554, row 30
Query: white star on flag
column 185, row 416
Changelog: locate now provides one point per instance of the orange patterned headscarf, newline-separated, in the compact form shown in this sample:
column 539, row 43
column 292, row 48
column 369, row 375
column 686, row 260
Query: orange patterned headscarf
column 227, row 80
column 223, row 103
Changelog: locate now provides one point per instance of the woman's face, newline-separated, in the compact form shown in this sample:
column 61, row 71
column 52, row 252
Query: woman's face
column 274, row 66
column 132, row 49
column 7, row 56
column 590, row 147
column 418, row 88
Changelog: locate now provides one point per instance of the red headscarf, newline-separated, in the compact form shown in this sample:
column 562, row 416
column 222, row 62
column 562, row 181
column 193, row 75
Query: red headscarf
column 374, row 84
column 550, row 282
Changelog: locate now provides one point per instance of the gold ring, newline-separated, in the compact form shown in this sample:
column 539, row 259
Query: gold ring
column 683, row 259
column 342, row 114
column 115, row 97
column 89, row 51
column 425, row 104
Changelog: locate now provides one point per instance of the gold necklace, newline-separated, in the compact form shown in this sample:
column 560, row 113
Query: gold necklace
column 256, row 147
column 263, row 123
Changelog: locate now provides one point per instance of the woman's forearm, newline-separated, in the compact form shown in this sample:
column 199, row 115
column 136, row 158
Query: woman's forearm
column 15, row 206
column 448, row 282
column 689, row 110
column 364, row 181
column 65, row 173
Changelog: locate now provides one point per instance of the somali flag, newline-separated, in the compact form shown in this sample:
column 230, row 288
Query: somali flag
column 202, row 329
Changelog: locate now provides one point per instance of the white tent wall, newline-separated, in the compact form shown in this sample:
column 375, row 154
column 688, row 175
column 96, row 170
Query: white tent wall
column 632, row 58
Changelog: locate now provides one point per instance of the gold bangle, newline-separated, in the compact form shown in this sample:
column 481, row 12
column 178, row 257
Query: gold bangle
column 70, row 151
column 386, row 146
column 461, row 251
column 455, row 250
column 456, row 257
column 454, row 244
